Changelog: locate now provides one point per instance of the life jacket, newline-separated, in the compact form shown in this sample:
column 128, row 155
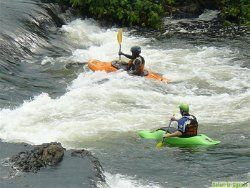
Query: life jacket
column 140, row 70
column 192, row 127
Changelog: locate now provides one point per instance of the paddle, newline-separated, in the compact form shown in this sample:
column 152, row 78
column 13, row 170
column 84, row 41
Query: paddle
column 160, row 144
column 119, row 39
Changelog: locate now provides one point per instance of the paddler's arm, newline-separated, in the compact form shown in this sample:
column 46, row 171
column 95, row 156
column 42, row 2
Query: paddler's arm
column 126, row 55
column 175, row 134
column 180, row 130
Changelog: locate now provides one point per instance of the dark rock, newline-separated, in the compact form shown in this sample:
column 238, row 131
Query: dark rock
column 208, row 4
column 96, row 164
column 78, row 168
column 42, row 155
column 187, row 11
column 52, row 154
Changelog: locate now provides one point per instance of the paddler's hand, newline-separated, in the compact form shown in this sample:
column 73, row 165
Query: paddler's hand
column 120, row 53
column 166, row 135
column 173, row 119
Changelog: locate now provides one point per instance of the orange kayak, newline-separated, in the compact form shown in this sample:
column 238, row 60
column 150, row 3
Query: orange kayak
column 96, row 65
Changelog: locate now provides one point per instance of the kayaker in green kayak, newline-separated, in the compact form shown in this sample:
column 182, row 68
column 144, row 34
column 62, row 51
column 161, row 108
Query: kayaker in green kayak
column 136, row 63
column 187, row 124
column 184, row 135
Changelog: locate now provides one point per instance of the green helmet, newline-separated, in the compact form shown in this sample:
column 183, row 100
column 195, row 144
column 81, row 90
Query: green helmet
column 184, row 107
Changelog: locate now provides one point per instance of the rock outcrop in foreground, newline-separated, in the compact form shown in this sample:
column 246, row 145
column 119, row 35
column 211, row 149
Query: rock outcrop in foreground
column 48, row 165
column 49, row 154
column 96, row 164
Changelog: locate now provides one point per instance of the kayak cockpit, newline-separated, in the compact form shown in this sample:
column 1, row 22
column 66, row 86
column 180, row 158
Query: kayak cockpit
column 122, row 65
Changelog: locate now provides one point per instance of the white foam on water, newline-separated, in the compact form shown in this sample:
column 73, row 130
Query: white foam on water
column 87, row 109
column 122, row 181
column 97, row 103
column 97, row 43
column 208, row 15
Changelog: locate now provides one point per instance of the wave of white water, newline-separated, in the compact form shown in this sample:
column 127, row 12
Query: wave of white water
column 121, row 181
column 216, row 88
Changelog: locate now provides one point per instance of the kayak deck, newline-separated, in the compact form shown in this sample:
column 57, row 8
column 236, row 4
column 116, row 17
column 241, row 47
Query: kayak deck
column 199, row 140
column 96, row 65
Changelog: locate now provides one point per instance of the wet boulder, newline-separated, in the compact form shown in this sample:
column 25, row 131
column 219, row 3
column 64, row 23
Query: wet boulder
column 94, row 161
column 79, row 168
column 48, row 154
column 187, row 11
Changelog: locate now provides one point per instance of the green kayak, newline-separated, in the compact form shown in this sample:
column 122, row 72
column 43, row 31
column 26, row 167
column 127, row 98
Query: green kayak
column 199, row 140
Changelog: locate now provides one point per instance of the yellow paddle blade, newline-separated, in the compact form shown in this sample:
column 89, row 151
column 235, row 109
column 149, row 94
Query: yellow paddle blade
column 159, row 144
column 119, row 36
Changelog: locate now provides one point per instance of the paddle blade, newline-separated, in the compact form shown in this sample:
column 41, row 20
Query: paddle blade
column 159, row 145
column 119, row 36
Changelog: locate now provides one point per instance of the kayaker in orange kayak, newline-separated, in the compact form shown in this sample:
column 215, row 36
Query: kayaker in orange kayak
column 136, row 62
column 187, row 124
column 135, row 66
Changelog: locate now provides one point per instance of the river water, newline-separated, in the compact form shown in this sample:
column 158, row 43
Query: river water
column 42, row 101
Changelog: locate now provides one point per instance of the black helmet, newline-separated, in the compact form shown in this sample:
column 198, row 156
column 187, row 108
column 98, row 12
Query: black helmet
column 136, row 49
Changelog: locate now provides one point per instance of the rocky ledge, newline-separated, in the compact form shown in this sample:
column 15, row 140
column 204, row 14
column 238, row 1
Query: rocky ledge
column 49, row 154
column 48, row 165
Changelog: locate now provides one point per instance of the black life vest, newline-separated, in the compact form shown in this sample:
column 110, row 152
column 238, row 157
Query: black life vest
column 140, row 70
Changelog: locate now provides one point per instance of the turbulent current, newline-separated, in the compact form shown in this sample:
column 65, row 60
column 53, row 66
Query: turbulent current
column 43, row 100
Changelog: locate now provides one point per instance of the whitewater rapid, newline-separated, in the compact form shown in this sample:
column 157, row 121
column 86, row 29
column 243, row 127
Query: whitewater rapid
column 97, row 103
